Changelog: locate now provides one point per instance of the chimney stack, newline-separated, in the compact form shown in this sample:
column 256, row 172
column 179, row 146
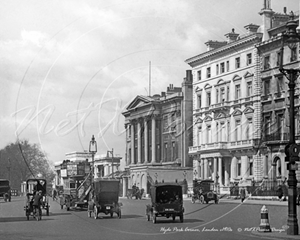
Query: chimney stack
column 232, row 36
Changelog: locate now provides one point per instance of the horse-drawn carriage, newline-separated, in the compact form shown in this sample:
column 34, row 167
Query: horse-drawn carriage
column 166, row 201
column 104, row 198
column 204, row 191
column 33, row 186
column 135, row 192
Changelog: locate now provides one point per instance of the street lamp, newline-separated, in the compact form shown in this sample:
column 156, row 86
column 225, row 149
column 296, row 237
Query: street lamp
column 92, row 150
column 291, row 38
column 112, row 161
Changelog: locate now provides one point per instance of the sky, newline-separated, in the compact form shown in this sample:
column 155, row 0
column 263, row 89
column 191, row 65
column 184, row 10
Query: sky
column 68, row 69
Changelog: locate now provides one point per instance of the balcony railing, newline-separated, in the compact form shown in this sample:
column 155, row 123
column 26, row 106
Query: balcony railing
column 278, row 136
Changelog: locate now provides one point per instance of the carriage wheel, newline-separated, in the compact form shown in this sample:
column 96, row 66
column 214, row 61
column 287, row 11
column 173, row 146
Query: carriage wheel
column 95, row 212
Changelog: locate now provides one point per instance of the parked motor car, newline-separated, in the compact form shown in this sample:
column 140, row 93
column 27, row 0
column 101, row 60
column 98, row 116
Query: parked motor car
column 205, row 191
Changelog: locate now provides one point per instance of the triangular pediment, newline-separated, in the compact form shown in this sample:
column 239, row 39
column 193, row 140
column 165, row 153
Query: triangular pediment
column 248, row 110
column 248, row 74
column 139, row 101
column 236, row 78
column 207, row 119
column 236, row 112
column 198, row 120
column 221, row 115
column 198, row 89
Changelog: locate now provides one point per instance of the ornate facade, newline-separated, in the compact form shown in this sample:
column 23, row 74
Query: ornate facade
column 158, row 134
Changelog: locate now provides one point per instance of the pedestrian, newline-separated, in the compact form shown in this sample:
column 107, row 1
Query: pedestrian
column 279, row 193
column 54, row 193
column 37, row 200
column 243, row 194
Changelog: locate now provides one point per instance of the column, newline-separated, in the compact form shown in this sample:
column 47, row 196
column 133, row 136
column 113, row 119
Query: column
column 202, row 168
column 205, row 168
column 226, row 174
column 220, row 171
column 198, row 169
column 139, row 142
column 215, row 169
column 132, row 143
column 146, row 139
column 266, row 164
column 233, row 169
column 153, row 139
column 125, row 186
column 244, row 167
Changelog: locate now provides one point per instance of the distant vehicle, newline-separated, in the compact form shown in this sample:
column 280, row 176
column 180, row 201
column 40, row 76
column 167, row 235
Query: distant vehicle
column 205, row 191
column 166, row 201
column 105, row 198
column 5, row 190
column 34, row 185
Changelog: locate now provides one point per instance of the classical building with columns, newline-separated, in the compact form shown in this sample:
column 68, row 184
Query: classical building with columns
column 158, row 134
column 239, row 107
column 226, row 110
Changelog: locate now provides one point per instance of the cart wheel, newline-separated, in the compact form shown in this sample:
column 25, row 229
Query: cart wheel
column 119, row 214
column 95, row 212
column 201, row 199
column 181, row 218
column 154, row 219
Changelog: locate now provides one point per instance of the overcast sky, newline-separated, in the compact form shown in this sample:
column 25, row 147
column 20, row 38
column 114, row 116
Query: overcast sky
column 69, row 68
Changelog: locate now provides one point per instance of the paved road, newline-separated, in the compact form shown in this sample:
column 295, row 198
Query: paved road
column 228, row 220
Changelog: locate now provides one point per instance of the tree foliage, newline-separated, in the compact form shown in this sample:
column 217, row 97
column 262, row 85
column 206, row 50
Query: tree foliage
column 22, row 160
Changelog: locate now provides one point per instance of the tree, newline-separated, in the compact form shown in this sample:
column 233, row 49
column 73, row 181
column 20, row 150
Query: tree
column 22, row 160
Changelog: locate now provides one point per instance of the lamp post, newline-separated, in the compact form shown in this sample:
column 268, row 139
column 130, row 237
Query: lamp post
column 112, row 161
column 291, row 38
column 92, row 150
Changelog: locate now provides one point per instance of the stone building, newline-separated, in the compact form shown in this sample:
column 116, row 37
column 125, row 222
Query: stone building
column 158, row 134
column 274, row 95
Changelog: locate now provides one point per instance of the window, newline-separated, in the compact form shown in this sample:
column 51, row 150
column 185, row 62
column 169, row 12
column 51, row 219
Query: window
column 250, row 166
column 228, row 92
column 227, row 66
column 249, row 129
column 217, row 69
column 267, row 87
column 208, row 72
column 208, row 139
column 239, row 167
column 199, row 136
column 249, row 58
column 199, row 75
column 294, row 54
column 267, row 62
column 166, row 123
column 280, row 83
column 267, row 125
column 278, row 60
column 222, row 67
column 228, row 131
column 222, row 94
column 208, row 99
column 217, row 95
column 199, row 101
column 237, row 91
column 249, row 89
column 237, row 62
column 237, row 130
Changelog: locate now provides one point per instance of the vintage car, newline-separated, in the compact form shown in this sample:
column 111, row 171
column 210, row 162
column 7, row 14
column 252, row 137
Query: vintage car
column 135, row 192
column 205, row 191
column 34, row 185
column 166, row 201
column 105, row 197
column 5, row 190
